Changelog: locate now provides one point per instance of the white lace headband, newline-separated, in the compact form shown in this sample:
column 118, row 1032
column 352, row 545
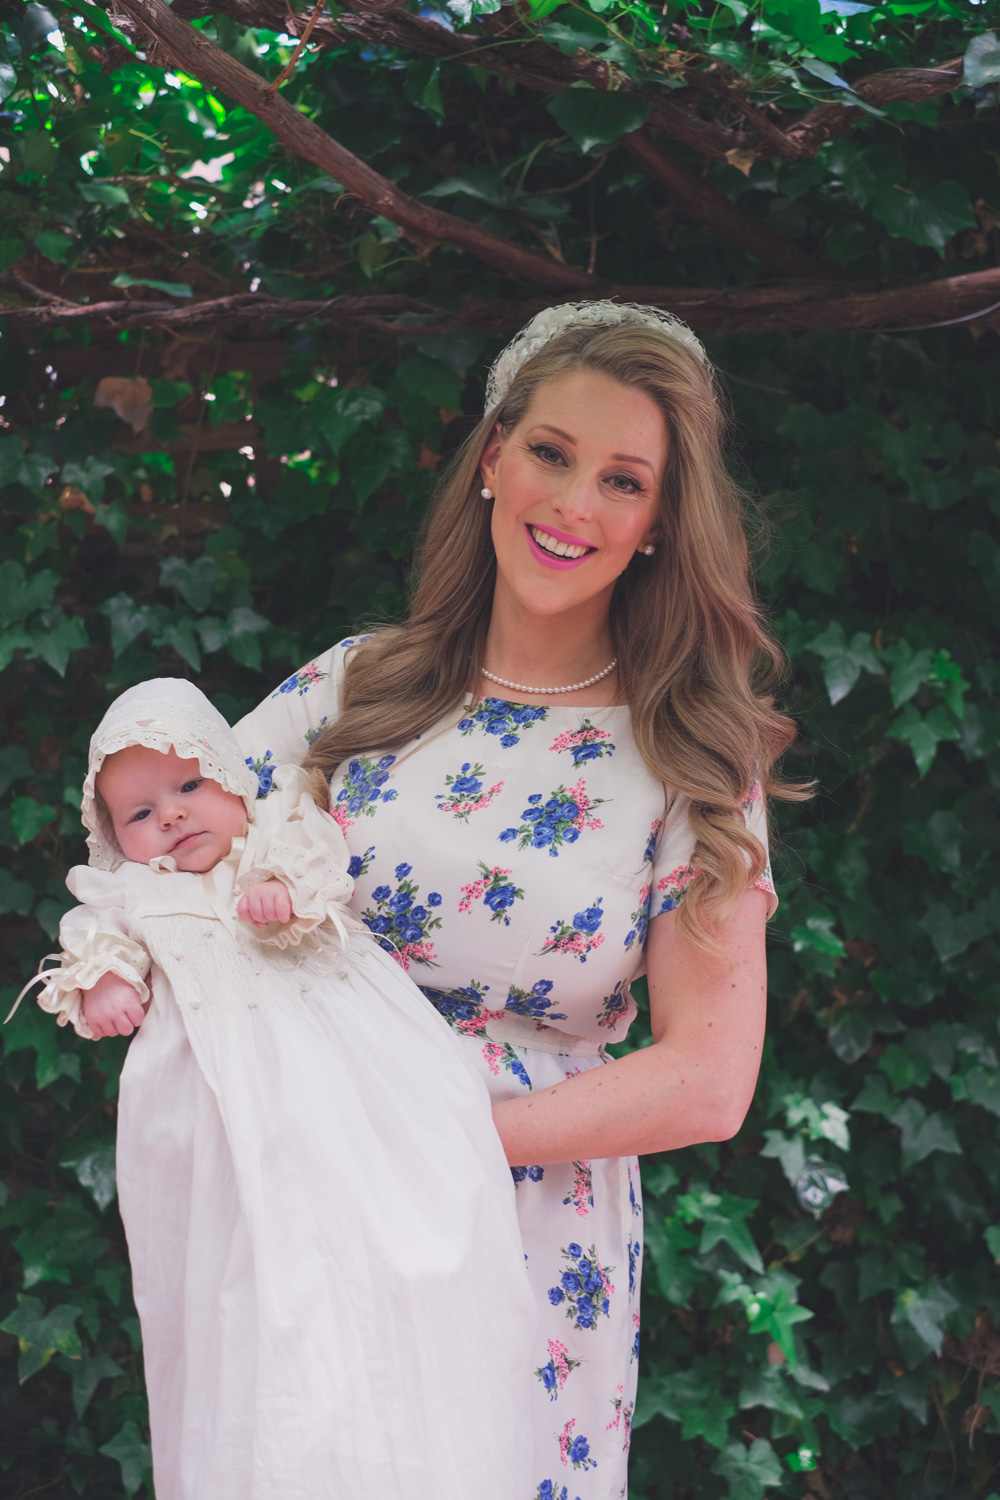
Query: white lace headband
column 554, row 320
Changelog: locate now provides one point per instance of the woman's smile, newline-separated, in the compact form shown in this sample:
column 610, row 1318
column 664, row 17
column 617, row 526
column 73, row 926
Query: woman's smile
column 556, row 549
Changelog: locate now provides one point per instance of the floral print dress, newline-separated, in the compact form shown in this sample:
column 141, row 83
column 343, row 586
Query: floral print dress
column 512, row 857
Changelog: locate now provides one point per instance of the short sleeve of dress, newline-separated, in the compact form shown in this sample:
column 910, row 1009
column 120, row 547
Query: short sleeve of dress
column 281, row 728
column 304, row 848
column 95, row 940
column 673, row 860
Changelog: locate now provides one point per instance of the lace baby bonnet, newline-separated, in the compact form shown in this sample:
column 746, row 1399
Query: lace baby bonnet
column 162, row 714
column 552, row 321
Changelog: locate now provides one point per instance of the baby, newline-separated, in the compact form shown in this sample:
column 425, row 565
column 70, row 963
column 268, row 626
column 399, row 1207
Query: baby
column 312, row 1189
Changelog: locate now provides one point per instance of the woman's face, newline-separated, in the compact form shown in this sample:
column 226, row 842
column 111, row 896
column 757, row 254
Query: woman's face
column 577, row 485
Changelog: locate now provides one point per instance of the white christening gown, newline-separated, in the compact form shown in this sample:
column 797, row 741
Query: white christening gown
column 320, row 1220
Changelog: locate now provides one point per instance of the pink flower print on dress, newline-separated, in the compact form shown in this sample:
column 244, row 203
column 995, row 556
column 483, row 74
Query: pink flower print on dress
column 580, row 938
column 301, row 681
column 585, row 743
column 671, row 888
column 466, row 795
column 581, row 1194
column 556, row 1372
column 501, row 1056
column 622, row 1417
column 494, row 890
column 575, row 1450
column 615, row 1006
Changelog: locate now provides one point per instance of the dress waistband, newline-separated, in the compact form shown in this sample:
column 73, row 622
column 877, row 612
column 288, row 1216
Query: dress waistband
column 519, row 1031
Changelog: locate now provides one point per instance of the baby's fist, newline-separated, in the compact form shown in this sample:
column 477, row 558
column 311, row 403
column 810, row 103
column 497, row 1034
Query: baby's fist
column 266, row 902
column 112, row 1007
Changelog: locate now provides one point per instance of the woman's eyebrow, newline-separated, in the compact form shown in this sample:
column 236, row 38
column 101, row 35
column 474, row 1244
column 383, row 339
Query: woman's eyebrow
column 619, row 458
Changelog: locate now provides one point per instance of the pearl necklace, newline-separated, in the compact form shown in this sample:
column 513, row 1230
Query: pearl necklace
column 574, row 687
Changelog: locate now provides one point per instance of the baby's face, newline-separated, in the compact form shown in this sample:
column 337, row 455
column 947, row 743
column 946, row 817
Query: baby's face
column 161, row 804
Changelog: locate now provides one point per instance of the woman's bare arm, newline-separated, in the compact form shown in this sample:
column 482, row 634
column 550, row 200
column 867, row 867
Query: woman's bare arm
column 694, row 1083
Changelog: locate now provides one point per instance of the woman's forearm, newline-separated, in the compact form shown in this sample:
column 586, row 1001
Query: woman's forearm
column 648, row 1101
column 695, row 1082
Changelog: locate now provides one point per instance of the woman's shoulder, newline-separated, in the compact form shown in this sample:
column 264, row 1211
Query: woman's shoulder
column 285, row 723
column 327, row 668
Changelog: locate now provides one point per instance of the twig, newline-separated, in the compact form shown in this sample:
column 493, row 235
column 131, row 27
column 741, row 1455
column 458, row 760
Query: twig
column 289, row 67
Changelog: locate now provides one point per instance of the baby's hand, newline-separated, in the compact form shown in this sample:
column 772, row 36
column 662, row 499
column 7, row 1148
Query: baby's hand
column 266, row 902
column 112, row 1007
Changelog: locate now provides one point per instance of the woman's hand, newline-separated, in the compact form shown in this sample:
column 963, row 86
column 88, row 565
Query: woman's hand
column 695, row 1083
column 112, row 1007
column 267, row 902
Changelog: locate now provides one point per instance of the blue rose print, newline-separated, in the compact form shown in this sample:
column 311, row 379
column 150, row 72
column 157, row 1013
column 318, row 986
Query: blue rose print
column 585, row 1271
column 534, row 1003
column 557, row 821
column 265, row 772
column 506, row 720
column 363, row 789
column 396, row 922
column 360, row 863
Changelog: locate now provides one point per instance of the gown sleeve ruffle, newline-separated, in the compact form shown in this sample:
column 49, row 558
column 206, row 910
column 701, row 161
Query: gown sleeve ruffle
column 294, row 842
column 95, row 940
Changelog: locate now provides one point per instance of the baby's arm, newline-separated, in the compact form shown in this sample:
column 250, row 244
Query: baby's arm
column 112, row 1007
column 266, row 902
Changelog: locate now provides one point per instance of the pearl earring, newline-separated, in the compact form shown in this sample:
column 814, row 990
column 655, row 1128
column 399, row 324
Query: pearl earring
column 486, row 494
column 649, row 549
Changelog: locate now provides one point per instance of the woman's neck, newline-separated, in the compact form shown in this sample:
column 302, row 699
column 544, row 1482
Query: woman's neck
column 545, row 651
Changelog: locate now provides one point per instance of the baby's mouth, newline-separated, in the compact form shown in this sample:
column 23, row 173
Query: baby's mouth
column 185, row 838
column 556, row 548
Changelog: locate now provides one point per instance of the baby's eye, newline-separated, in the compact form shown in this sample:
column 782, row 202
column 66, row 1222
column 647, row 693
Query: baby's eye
column 191, row 786
column 139, row 816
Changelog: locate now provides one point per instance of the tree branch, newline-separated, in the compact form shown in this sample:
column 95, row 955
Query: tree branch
column 704, row 203
column 196, row 55
column 755, row 309
column 530, row 62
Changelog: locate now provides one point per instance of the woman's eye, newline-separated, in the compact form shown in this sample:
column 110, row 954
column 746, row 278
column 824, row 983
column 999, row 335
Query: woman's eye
column 190, row 786
column 625, row 484
column 545, row 452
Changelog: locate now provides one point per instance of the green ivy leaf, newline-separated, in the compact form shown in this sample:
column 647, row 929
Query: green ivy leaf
column 921, row 1133
column 843, row 660
column 194, row 581
column 817, row 933
column 925, row 1310
column 749, row 1472
column 132, row 1454
column 931, row 217
column 55, row 644
column 850, row 1034
column 593, row 119
column 15, row 895
column 107, row 195
column 981, row 64
column 923, row 733
column 708, row 1417
column 42, row 1334
column 93, row 1165
column 87, row 1373
column 30, row 817
column 173, row 288
column 114, row 518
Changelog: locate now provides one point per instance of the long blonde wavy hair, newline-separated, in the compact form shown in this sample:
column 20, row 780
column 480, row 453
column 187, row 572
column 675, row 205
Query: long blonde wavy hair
column 695, row 660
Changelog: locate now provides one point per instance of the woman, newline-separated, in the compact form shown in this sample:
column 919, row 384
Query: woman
column 528, row 855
